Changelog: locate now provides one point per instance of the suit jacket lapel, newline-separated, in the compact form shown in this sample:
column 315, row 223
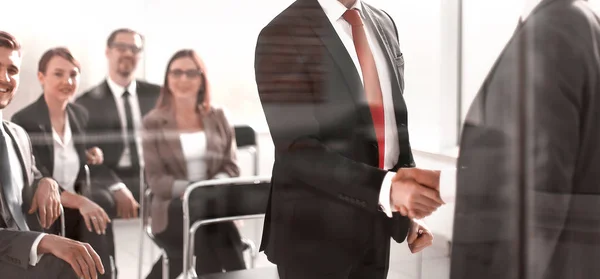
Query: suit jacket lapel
column 43, row 140
column 384, row 42
column 145, row 100
column 321, row 26
column 77, row 134
column 170, row 135
column 108, row 121
column 25, row 166
column 107, row 101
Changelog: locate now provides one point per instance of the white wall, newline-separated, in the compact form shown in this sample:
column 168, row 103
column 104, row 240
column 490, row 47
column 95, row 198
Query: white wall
column 224, row 33
column 83, row 26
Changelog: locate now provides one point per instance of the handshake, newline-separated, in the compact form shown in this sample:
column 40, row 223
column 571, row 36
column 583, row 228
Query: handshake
column 415, row 192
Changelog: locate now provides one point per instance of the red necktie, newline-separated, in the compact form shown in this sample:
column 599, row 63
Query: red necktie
column 370, row 78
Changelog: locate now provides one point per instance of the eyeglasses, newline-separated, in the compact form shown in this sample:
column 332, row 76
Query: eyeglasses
column 122, row 47
column 189, row 73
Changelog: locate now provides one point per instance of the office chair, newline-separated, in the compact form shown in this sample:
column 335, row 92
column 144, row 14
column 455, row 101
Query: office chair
column 220, row 200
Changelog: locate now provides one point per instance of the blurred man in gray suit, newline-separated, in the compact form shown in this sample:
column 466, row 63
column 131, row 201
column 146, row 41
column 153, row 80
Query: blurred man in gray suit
column 25, row 195
column 528, row 192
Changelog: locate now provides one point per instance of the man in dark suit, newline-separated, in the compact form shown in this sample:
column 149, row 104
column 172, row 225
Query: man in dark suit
column 116, row 108
column 330, row 78
column 25, row 253
column 527, row 188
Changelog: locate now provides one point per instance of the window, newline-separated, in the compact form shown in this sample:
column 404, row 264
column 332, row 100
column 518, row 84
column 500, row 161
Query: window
column 427, row 34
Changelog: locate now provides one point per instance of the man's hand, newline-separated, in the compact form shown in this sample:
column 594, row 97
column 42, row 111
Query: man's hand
column 94, row 156
column 81, row 256
column 94, row 215
column 415, row 192
column 127, row 207
column 419, row 237
column 46, row 201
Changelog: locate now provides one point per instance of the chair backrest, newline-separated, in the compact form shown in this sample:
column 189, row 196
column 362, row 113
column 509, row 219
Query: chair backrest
column 229, row 198
column 245, row 136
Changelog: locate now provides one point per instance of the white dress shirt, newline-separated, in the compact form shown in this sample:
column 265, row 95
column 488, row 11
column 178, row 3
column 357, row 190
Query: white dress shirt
column 194, row 151
column 117, row 92
column 66, row 159
column 334, row 11
column 18, row 181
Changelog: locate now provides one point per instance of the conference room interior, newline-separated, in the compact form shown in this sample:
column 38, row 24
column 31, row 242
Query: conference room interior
column 448, row 46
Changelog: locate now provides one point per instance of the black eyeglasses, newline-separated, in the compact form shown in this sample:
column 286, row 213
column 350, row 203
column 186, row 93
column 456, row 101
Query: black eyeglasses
column 189, row 73
column 122, row 47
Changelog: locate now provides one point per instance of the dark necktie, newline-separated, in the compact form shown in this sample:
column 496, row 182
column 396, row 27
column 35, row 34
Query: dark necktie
column 370, row 78
column 9, row 193
column 130, row 135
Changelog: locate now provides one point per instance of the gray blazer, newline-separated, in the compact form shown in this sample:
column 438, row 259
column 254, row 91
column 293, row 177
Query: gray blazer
column 165, row 165
column 15, row 245
column 532, row 134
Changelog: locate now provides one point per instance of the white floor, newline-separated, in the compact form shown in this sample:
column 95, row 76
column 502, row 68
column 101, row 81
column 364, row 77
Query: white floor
column 433, row 263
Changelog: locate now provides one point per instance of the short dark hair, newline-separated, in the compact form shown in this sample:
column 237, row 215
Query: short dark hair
column 9, row 41
column 113, row 35
column 57, row 51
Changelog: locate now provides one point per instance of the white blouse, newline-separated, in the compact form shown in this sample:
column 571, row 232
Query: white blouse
column 194, row 151
column 66, row 159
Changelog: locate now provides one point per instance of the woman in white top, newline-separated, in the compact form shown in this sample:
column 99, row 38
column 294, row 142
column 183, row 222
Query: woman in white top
column 57, row 131
column 187, row 140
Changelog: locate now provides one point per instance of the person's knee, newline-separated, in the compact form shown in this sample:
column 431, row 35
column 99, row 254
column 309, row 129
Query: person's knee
column 52, row 266
column 105, row 200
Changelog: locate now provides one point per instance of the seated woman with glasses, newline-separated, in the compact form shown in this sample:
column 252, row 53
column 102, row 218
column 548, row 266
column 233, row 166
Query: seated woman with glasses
column 187, row 140
column 57, row 131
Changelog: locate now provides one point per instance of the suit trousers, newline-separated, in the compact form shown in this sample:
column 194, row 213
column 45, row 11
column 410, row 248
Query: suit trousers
column 76, row 229
column 373, row 264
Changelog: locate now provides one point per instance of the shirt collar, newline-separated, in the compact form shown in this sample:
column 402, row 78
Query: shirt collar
column 118, row 90
column 68, row 134
column 334, row 9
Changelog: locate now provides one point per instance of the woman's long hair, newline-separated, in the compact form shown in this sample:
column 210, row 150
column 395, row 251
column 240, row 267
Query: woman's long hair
column 165, row 101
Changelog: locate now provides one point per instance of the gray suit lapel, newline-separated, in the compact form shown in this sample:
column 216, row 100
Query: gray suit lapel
column 383, row 40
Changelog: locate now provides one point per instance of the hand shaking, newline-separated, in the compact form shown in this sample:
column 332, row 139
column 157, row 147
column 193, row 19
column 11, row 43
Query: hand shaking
column 415, row 192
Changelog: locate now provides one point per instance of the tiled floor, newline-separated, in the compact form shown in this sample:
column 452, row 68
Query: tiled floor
column 403, row 265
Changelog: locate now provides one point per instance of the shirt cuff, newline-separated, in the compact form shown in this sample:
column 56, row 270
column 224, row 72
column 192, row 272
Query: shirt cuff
column 222, row 175
column 384, row 194
column 34, row 258
column 116, row 187
column 448, row 185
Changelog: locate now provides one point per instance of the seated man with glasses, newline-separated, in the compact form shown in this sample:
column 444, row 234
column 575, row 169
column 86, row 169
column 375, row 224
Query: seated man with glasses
column 116, row 107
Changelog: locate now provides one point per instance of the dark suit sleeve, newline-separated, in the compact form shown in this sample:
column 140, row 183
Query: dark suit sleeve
column 288, row 98
column 15, row 246
column 36, row 168
column 539, row 76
